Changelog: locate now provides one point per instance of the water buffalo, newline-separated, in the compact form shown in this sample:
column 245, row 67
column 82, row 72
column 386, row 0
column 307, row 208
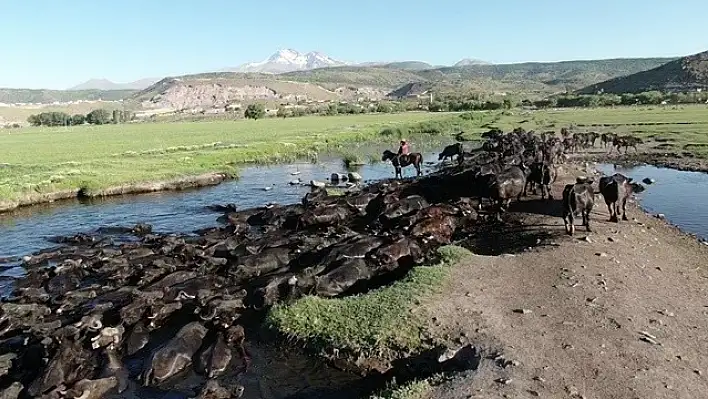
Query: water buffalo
column 607, row 138
column 626, row 142
column 176, row 355
column 450, row 151
column 616, row 189
column 544, row 174
column 577, row 198
column 214, row 360
column 506, row 185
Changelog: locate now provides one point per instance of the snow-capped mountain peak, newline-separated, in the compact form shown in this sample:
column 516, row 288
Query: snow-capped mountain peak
column 288, row 60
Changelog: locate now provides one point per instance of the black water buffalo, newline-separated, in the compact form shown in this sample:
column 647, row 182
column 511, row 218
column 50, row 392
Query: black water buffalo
column 607, row 138
column 616, row 189
column 506, row 185
column 544, row 174
column 626, row 142
column 450, row 151
column 578, row 198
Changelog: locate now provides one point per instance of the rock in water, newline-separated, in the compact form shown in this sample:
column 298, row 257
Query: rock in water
column 355, row 177
column 337, row 177
column 648, row 180
column 315, row 183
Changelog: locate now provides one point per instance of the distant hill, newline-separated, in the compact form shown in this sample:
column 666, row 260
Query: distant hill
column 289, row 76
column 683, row 74
column 470, row 61
column 11, row 96
column 408, row 65
column 105, row 84
column 216, row 90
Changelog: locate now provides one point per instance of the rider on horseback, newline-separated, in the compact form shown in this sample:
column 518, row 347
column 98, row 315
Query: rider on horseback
column 403, row 150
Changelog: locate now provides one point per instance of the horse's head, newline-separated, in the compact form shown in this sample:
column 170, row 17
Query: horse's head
column 387, row 154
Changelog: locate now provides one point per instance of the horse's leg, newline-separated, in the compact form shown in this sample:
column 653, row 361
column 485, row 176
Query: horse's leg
column 417, row 168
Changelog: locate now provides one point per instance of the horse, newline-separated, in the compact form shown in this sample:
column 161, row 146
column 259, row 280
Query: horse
column 403, row 160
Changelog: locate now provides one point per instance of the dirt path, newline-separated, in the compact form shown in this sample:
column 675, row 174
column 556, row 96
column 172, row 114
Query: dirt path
column 586, row 304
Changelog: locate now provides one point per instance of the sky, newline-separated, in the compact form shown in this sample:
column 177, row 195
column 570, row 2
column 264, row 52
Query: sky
column 58, row 44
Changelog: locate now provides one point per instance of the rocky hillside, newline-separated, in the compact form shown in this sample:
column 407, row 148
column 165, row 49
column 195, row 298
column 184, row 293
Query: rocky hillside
column 216, row 90
column 684, row 74
column 220, row 90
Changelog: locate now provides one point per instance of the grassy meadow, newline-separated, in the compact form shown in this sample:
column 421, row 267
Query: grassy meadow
column 42, row 160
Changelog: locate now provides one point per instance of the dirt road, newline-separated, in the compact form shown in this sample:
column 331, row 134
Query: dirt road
column 618, row 313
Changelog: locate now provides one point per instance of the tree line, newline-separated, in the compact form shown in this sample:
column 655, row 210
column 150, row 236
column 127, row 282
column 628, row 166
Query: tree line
column 476, row 103
column 258, row 111
column 96, row 117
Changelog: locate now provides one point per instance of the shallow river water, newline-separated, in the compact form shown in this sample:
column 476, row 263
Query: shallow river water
column 27, row 230
column 680, row 196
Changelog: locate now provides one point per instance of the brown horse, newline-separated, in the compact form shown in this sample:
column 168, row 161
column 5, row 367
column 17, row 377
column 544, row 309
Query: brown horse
column 403, row 160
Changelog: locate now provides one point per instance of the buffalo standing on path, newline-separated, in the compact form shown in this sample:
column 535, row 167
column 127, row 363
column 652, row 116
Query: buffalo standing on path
column 544, row 174
column 578, row 198
column 506, row 185
column 616, row 189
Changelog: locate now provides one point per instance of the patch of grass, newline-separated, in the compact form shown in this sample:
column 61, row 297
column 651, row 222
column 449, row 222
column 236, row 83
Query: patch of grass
column 334, row 191
column 97, row 157
column 414, row 390
column 350, row 160
column 378, row 323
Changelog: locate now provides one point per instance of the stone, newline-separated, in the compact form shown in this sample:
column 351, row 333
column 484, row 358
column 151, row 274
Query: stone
column 337, row 177
column 315, row 183
column 354, row 176
column 648, row 180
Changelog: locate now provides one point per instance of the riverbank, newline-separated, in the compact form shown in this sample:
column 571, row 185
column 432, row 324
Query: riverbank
column 204, row 180
column 42, row 165
column 615, row 313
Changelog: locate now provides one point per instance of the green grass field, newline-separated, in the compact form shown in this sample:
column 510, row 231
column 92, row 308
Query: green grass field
column 42, row 160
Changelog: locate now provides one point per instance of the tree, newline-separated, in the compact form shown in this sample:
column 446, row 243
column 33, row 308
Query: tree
column 98, row 117
column 78, row 119
column 383, row 108
column 254, row 111
column 34, row 120
column 282, row 112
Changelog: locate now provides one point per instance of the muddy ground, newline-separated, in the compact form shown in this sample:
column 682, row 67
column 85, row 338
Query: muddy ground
column 617, row 313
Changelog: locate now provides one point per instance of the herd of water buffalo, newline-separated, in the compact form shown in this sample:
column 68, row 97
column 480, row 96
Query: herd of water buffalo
column 106, row 315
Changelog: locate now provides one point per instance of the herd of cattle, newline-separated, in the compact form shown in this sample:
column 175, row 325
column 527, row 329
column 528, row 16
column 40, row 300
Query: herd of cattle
column 519, row 159
column 171, row 305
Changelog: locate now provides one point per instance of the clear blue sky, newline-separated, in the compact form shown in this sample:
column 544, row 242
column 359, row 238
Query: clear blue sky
column 57, row 44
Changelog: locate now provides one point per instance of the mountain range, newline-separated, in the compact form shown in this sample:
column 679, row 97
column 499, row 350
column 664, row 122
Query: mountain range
column 282, row 61
column 289, row 76
column 105, row 84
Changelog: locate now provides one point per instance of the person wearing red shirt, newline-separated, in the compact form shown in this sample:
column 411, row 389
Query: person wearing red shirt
column 403, row 149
